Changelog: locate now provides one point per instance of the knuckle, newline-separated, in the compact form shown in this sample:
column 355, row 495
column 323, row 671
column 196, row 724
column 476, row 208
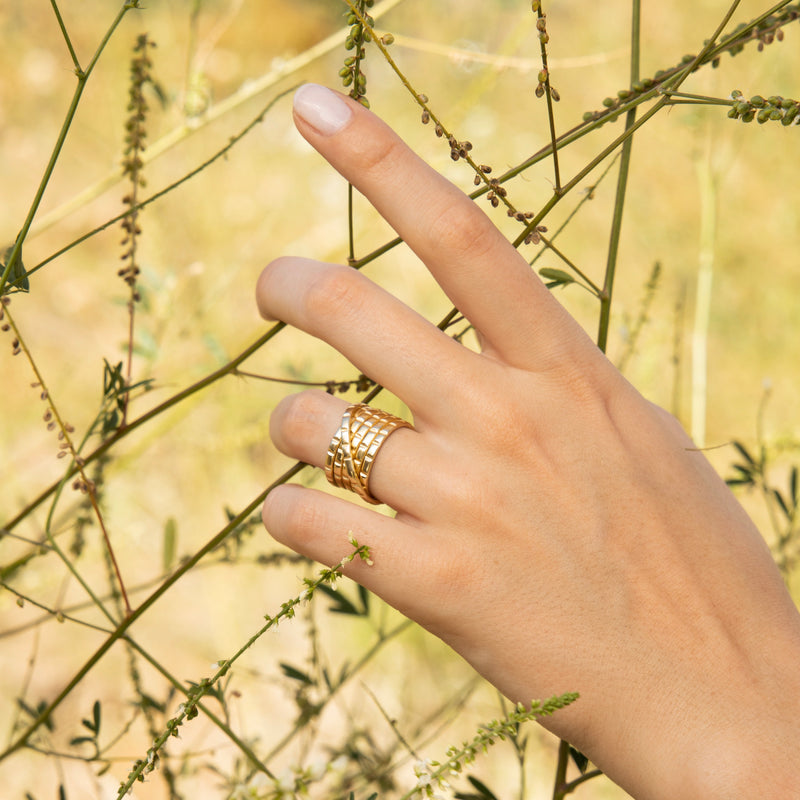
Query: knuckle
column 289, row 517
column 335, row 292
column 299, row 426
column 463, row 230
column 379, row 154
column 296, row 418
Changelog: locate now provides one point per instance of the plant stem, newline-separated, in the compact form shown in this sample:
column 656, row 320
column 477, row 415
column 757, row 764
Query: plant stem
column 560, row 781
column 83, row 77
column 705, row 273
column 221, row 153
column 123, row 626
column 548, row 93
column 226, row 369
column 66, row 37
column 622, row 185
column 221, row 724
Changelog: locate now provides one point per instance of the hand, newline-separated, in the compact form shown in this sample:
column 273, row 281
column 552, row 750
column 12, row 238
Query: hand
column 553, row 527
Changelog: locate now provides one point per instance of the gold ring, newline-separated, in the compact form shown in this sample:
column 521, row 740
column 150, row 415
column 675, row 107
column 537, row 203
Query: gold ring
column 354, row 446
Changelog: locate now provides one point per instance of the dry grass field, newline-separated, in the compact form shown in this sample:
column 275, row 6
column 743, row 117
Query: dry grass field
column 709, row 198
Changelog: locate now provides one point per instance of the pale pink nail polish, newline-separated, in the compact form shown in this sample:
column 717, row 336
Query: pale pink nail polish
column 321, row 108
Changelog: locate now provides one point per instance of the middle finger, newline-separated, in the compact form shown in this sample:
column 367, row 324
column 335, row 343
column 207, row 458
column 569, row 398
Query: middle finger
column 380, row 335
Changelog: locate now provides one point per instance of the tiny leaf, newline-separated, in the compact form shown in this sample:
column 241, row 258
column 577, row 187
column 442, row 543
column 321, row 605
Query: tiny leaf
column 295, row 674
column 745, row 453
column 555, row 277
column 341, row 604
column 782, row 503
column 18, row 275
column 168, row 548
column 96, row 715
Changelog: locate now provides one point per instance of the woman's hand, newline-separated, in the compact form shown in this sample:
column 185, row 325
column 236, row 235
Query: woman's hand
column 553, row 527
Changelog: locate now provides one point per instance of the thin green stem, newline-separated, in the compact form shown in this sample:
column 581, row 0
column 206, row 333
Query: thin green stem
column 226, row 369
column 622, row 185
column 351, row 259
column 67, row 39
column 221, row 724
column 702, row 56
column 221, row 153
column 366, row 657
column 123, row 626
column 83, row 77
column 590, row 284
column 57, row 421
column 593, row 164
column 548, row 93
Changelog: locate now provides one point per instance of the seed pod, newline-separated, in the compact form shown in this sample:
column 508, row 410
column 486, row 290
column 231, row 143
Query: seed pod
column 539, row 91
column 554, row 94
column 477, row 180
column 426, row 117
column 542, row 75
column 763, row 116
column 387, row 39
column 757, row 101
column 608, row 102
column 790, row 114
column 588, row 116
column 749, row 116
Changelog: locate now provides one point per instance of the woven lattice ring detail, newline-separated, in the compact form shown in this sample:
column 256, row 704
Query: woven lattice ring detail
column 354, row 446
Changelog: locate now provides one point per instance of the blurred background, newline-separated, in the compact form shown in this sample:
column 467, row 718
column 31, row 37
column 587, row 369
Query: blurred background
column 705, row 192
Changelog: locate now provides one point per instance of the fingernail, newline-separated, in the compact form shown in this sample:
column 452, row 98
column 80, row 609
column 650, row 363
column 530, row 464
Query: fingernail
column 321, row 108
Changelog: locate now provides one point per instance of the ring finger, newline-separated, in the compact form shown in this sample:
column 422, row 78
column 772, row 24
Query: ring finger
column 303, row 425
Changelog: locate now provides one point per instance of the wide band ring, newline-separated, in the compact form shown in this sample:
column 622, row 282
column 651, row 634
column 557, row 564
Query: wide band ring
column 354, row 446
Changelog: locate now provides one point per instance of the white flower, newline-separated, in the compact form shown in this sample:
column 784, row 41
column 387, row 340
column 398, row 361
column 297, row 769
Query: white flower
column 422, row 767
column 339, row 764
column 317, row 770
column 284, row 782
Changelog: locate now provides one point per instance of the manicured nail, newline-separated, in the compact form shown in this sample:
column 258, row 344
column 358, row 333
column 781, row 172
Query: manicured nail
column 321, row 108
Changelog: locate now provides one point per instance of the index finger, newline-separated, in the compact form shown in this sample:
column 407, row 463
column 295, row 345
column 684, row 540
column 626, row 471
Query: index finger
column 478, row 268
